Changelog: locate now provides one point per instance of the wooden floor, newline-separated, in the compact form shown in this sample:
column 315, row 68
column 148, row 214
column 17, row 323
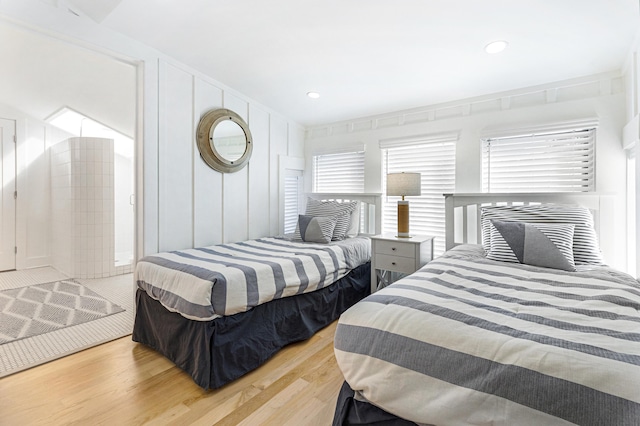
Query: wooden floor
column 126, row 383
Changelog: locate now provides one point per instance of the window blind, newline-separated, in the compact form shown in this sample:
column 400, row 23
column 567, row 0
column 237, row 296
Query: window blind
column 339, row 172
column 435, row 162
column 554, row 162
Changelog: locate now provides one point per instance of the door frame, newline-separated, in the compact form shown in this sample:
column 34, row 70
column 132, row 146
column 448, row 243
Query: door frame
column 11, row 251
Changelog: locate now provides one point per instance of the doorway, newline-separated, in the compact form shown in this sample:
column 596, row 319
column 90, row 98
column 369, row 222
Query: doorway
column 44, row 75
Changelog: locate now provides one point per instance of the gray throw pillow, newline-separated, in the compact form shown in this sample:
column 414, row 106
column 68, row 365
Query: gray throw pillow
column 342, row 211
column 316, row 229
column 538, row 244
column 586, row 250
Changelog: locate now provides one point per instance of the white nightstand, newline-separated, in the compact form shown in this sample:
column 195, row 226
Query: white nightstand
column 405, row 255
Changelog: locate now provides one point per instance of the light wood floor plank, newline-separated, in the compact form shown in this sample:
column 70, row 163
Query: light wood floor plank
column 123, row 382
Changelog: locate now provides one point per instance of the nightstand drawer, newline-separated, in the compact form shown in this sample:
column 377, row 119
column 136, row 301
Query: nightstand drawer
column 394, row 248
column 406, row 265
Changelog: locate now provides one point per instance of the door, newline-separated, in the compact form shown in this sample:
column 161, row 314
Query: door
column 7, row 194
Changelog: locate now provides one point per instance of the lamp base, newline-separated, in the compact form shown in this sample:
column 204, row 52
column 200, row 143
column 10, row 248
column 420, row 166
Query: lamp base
column 403, row 219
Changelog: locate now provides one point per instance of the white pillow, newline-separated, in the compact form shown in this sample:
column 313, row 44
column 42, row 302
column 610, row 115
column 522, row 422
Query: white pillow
column 354, row 229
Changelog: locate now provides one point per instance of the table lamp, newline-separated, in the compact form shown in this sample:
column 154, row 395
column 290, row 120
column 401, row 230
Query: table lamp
column 403, row 184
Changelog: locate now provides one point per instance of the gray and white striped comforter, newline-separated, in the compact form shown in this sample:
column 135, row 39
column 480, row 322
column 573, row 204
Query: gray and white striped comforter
column 467, row 340
column 205, row 283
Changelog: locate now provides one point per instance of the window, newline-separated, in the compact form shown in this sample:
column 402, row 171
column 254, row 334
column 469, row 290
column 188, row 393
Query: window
column 292, row 199
column 339, row 172
column 434, row 159
column 551, row 162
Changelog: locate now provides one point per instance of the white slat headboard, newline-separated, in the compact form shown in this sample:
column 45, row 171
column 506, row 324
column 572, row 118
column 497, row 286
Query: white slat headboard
column 462, row 212
column 370, row 208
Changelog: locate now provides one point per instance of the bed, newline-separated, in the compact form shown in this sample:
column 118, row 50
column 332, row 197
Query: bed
column 476, row 338
column 219, row 312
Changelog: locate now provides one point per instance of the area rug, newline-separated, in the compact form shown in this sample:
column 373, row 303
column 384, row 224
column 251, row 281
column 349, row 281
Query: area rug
column 42, row 308
column 27, row 352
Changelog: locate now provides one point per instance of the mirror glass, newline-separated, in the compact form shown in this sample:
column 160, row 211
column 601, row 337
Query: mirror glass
column 228, row 140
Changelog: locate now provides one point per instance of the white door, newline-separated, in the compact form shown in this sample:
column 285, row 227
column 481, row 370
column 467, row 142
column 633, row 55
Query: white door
column 7, row 194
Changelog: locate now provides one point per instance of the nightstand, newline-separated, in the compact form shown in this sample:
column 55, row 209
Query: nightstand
column 405, row 255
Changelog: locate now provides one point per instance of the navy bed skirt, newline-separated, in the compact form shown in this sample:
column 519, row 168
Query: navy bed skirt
column 350, row 412
column 221, row 350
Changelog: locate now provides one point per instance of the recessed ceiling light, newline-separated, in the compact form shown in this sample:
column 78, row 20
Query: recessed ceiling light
column 496, row 46
column 313, row 95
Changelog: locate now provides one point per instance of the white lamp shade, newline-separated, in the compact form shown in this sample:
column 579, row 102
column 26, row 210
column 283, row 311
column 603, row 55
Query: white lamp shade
column 403, row 184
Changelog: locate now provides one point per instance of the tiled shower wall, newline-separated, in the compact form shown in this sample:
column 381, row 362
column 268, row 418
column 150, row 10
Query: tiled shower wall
column 82, row 197
column 62, row 221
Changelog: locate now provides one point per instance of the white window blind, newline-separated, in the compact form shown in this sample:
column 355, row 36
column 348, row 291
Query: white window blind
column 292, row 196
column 339, row 172
column 435, row 161
column 553, row 162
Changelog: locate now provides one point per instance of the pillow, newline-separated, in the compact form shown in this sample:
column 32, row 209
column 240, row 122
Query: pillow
column 316, row 229
column 354, row 229
column 342, row 211
column 586, row 250
column 539, row 244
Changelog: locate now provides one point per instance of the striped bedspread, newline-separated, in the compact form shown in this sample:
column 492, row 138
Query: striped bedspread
column 206, row 283
column 469, row 341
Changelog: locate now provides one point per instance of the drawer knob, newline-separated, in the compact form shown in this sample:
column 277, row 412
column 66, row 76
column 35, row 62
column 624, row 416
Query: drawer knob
column 393, row 263
column 393, row 249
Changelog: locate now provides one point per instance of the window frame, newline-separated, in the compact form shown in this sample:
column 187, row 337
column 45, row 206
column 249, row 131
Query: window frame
column 439, row 156
column 573, row 171
column 351, row 157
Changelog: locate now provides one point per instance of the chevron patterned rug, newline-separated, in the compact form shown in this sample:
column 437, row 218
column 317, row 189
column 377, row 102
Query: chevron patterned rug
column 38, row 309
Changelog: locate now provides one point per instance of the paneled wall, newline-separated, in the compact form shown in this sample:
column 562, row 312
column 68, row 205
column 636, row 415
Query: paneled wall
column 198, row 206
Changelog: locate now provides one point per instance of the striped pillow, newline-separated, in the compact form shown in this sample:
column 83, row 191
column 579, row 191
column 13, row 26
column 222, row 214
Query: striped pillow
column 342, row 211
column 548, row 245
column 316, row 229
column 586, row 250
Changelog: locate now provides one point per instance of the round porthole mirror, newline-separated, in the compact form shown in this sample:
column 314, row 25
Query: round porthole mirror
column 224, row 140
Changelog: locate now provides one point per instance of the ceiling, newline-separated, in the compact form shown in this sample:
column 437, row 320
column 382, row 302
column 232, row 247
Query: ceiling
column 367, row 57
column 364, row 57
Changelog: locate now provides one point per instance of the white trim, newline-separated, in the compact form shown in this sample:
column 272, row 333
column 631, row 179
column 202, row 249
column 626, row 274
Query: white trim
column 546, row 128
column 419, row 140
column 322, row 150
column 631, row 133
column 285, row 163
column 555, row 92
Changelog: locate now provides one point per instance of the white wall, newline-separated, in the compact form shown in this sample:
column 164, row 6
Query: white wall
column 632, row 130
column 180, row 201
column 599, row 97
